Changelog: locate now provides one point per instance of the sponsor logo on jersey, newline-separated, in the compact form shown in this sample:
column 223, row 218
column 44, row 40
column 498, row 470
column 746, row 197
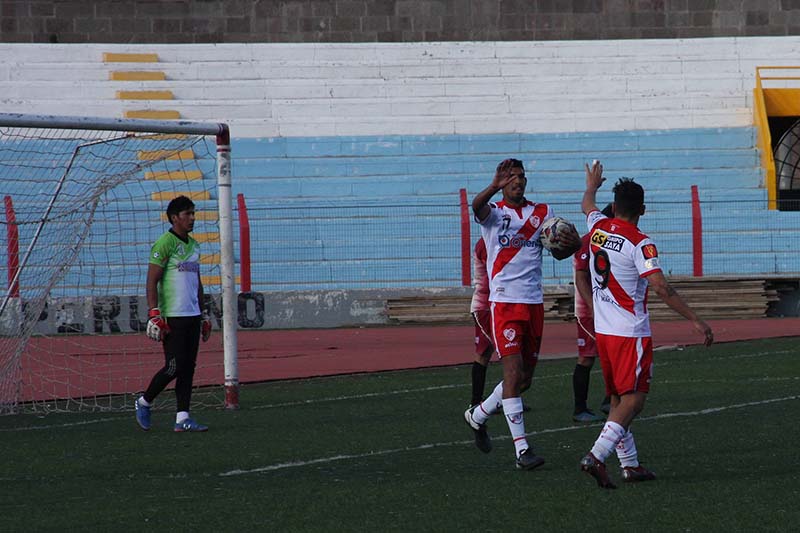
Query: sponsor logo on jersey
column 604, row 240
column 614, row 243
column 188, row 266
column 156, row 255
column 649, row 251
column 517, row 242
column 599, row 237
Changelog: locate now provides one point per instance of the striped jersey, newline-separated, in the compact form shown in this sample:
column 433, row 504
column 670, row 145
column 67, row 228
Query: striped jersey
column 177, row 290
column 621, row 258
column 513, row 250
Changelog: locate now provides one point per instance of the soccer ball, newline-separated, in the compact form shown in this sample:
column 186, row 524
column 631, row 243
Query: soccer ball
column 552, row 229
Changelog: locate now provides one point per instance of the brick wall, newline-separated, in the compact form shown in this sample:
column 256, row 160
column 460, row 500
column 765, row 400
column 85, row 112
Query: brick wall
column 222, row 21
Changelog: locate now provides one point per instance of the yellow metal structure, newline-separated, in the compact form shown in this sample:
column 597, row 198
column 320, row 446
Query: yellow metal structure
column 773, row 102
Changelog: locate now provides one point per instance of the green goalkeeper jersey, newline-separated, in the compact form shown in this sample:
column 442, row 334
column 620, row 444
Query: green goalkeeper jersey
column 177, row 291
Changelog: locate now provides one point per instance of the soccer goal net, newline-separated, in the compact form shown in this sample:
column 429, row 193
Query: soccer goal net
column 84, row 200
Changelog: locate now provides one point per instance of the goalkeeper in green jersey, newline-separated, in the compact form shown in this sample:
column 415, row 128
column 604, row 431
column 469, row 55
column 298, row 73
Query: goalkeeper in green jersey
column 175, row 296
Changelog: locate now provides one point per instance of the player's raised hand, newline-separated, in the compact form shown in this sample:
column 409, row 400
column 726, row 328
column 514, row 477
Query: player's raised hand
column 502, row 175
column 594, row 175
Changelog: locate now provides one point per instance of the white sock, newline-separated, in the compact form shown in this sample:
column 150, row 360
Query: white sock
column 181, row 416
column 611, row 434
column 626, row 451
column 488, row 406
column 512, row 408
column 143, row 402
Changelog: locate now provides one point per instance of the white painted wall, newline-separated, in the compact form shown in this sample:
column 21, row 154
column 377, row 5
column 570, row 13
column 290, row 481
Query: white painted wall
column 269, row 90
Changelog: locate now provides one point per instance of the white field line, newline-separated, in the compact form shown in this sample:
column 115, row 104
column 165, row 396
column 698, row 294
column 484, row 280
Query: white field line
column 293, row 464
column 402, row 391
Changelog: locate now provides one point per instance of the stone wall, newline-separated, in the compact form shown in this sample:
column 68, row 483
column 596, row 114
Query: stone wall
column 227, row 21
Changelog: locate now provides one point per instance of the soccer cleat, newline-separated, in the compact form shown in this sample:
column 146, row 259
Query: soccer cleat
column 142, row 415
column 586, row 417
column 482, row 439
column 634, row 474
column 597, row 469
column 189, row 425
column 528, row 460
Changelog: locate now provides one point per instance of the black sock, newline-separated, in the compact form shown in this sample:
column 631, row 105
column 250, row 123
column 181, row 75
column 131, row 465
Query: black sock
column 580, row 386
column 478, row 382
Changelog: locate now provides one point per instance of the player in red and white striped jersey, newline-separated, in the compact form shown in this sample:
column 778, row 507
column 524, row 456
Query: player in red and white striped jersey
column 584, row 318
column 511, row 230
column 623, row 263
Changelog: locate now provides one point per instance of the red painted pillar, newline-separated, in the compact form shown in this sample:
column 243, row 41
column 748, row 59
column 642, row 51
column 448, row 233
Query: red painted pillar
column 466, row 247
column 12, row 242
column 697, row 234
column 244, row 244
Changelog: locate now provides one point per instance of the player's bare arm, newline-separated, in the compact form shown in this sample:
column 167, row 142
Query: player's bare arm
column 671, row 297
column 502, row 177
column 594, row 179
column 154, row 274
column 583, row 284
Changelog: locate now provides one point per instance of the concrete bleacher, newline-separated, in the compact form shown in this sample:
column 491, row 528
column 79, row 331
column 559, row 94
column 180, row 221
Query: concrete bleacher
column 351, row 156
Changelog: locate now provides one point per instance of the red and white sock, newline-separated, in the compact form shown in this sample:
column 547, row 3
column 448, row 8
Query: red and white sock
column 605, row 444
column 626, row 451
column 489, row 406
column 512, row 408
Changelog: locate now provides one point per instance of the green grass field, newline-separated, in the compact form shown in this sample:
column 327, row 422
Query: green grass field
column 391, row 452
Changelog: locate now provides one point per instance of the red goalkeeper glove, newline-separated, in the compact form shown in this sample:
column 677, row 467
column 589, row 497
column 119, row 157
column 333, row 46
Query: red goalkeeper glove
column 205, row 328
column 157, row 327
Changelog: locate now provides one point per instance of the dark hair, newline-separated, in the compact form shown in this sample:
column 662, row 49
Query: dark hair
column 516, row 163
column 608, row 211
column 628, row 198
column 178, row 204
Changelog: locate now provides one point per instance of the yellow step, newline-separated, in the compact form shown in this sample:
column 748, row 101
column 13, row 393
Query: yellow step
column 113, row 57
column 185, row 155
column 209, row 259
column 215, row 280
column 174, row 175
column 152, row 114
column 199, row 215
column 145, row 95
column 211, row 236
column 137, row 75
column 165, row 196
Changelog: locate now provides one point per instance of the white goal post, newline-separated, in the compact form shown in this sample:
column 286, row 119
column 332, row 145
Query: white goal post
column 84, row 199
